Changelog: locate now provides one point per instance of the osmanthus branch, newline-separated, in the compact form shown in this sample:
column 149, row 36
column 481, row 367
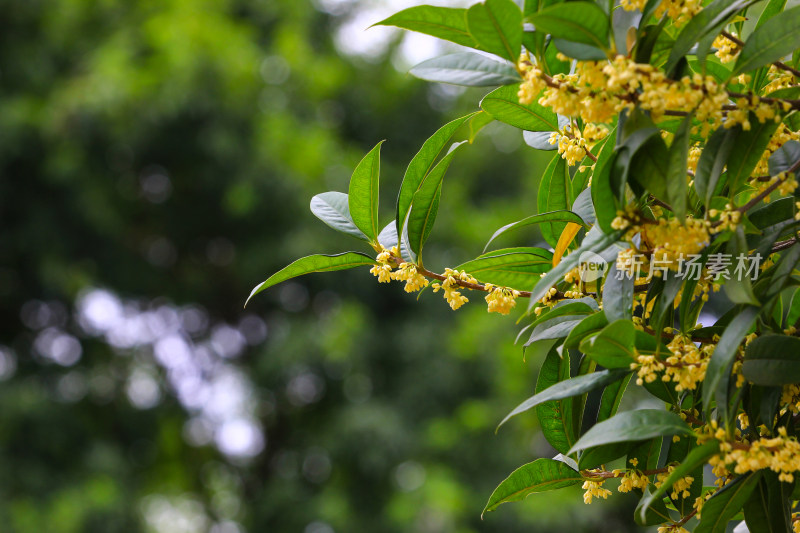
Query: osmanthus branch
column 738, row 42
column 766, row 192
column 605, row 474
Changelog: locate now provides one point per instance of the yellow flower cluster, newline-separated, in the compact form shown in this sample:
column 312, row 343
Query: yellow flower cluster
column 694, row 157
column 450, row 287
column 594, row 132
column 647, row 368
column 727, row 50
column 546, row 301
column 594, row 489
column 408, row 272
column 384, row 271
column 680, row 11
column 672, row 528
column 501, row 299
column 674, row 239
column 686, row 365
column 790, row 397
column 572, row 148
column 632, row 479
column 781, row 454
column 680, row 489
column 728, row 218
column 778, row 79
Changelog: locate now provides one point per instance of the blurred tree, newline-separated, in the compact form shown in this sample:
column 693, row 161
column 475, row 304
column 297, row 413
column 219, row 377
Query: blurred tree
column 156, row 160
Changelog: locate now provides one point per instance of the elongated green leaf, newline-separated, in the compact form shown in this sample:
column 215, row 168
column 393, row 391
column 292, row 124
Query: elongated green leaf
column 632, row 426
column 591, row 324
column 555, row 216
column 747, row 150
column 712, row 162
column 784, row 158
column 554, row 328
column 554, row 195
column 539, row 476
column 738, row 288
column 479, row 120
column 613, row 346
column 768, row 510
column 611, row 398
column 647, row 166
column 676, row 176
column 776, row 38
column 656, row 513
column 497, row 27
column 714, row 14
column 721, row 363
column 580, row 22
column 772, row 8
column 422, row 164
column 388, row 238
column 617, row 294
column 595, row 241
column 315, row 263
column 332, row 208
column 468, row 69
column 515, row 269
column 425, row 203
column 726, row 503
column 567, row 389
column 557, row 416
column 697, row 457
column 503, row 104
column 773, row 360
column 363, row 194
column 445, row 23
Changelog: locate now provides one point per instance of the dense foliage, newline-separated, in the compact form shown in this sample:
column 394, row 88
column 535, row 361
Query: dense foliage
column 674, row 178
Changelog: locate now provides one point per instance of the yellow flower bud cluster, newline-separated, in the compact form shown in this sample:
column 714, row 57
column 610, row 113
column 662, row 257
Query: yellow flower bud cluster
column 680, row 489
column 629, row 262
column 781, row 454
column 675, row 238
column 694, row 157
column 796, row 522
column 632, row 479
column 686, row 366
column 572, row 148
column 408, row 272
column 384, row 271
column 727, row 50
column 546, row 301
column 594, row 489
column 647, row 368
column 672, row 528
column 501, row 299
column 680, row 11
column 450, row 287
column 728, row 218
column 790, row 397
column 534, row 82
column 594, row 132
column 778, row 79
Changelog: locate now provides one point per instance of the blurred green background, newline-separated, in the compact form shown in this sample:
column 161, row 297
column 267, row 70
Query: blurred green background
column 156, row 162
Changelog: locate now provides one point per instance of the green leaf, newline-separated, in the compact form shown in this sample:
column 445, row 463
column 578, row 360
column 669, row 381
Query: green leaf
column 604, row 194
column 613, row 346
column 567, row 389
column 363, row 193
column 768, row 509
column 721, row 363
column 315, row 263
column 468, row 69
column 632, row 426
column 617, row 294
column 773, row 360
column 595, row 241
column 497, row 27
column 580, row 22
column 556, row 216
column 714, row 14
column 657, row 513
column 425, row 203
column 784, row 158
column 332, row 208
column 554, row 195
column 503, row 104
column 697, row 457
column 422, row 164
column 591, row 324
column 554, row 328
column 647, row 166
column 556, row 416
column 772, row 8
column 776, row 38
column 738, row 288
column 676, row 176
column 539, row 476
column 388, row 238
column 723, row 506
column 611, row 398
column 712, row 162
column 514, row 269
column 747, row 151
column 445, row 23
